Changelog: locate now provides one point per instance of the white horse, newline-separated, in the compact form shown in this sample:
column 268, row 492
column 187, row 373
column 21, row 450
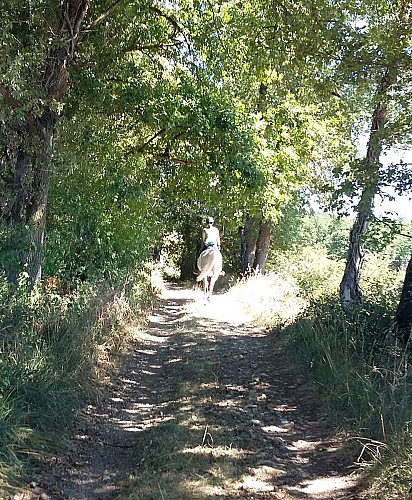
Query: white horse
column 210, row 264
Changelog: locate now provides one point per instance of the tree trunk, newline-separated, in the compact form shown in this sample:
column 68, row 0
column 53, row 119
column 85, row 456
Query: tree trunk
column 27, row 136
column 350, row 291
column 403, row 317
column 248, row 239
column 25, row 190
column 262, row 248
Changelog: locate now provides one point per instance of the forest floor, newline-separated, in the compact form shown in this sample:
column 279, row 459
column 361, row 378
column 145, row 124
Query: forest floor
column 207, row 405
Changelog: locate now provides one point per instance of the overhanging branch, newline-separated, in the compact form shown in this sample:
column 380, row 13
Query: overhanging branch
column 180, row 161
column 391, row 226
column 104, row 16
column 169, row 18
column 141, row 148
column 5, row 92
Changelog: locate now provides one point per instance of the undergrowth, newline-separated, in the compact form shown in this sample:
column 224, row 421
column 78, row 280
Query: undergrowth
column 365, row 374
column 54, row 346
column 358, row 364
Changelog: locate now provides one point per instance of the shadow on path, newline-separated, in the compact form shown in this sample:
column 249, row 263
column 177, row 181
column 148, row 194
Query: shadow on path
column 205, row 408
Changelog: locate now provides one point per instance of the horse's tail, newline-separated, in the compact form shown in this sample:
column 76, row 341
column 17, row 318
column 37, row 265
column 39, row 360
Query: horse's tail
column 206, row 263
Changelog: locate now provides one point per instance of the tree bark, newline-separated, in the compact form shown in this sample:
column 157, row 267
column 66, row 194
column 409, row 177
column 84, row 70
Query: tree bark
column 27, row 136
column 248, row 240
column 350, row 291
column 403, row 317
column 262, row 248
column 255, row 241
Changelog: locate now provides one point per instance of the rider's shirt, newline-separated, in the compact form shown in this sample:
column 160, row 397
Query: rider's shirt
column 212, row 236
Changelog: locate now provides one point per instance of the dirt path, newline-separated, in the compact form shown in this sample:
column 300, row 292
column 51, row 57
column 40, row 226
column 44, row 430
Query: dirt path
column 206, row 407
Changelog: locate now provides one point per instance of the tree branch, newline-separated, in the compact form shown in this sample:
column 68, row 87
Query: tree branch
column 4, row 90
column 391, row 226
column 141, row 148
column 103, row 16
column 181, row 161
column 172, row 21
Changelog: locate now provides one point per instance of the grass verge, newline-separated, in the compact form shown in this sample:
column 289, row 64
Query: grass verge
column 359, row 366
column 53, row 350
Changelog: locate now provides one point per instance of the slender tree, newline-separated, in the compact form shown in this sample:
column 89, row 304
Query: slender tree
column 350, row 291
column 35, row 79
column 394, row 70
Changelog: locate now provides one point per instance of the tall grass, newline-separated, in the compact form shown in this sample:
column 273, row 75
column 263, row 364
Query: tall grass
column 356, row 361
column 366, row 376
column 53, row 348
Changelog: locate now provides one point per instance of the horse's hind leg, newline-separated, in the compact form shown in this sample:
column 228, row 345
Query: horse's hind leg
column 205, row 287
column 212, row 285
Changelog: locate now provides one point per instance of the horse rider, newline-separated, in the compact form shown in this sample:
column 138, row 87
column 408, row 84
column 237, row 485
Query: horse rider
column 210, row 235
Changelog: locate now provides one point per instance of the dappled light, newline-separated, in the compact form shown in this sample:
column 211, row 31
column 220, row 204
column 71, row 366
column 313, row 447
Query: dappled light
column 207, row 407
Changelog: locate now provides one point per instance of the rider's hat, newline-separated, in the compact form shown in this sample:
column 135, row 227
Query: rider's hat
column 209, row 220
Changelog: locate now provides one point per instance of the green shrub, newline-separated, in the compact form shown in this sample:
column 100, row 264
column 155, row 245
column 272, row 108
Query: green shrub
column 356, row 360
column 316, row 274
column 53, row 349
column 380, row 282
